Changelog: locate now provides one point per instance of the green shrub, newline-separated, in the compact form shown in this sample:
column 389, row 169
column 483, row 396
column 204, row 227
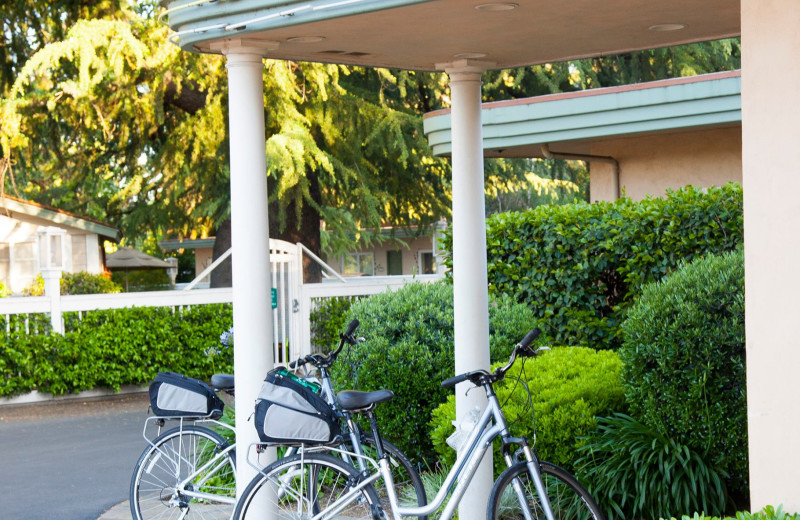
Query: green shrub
column 116, row 347
column 88, row 283
column 409, row 350
column 634, row 472
column 579, row 266
column 684, row 362
column 768, row 513
column 76, row 283
column 328, row 320
column 568, row 386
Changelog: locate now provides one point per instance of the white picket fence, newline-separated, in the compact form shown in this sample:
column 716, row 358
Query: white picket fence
column 294, row 300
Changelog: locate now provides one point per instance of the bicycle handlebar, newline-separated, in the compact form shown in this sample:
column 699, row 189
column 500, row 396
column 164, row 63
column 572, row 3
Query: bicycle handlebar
column 481, row 377
column 320, row 360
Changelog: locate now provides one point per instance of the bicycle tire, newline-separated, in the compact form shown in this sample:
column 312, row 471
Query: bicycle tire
column 568, row 498
column 170, row 458
column 303, row 485
column 408, row 483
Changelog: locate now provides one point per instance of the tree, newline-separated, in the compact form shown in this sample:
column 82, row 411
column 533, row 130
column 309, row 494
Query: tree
column 105, row 119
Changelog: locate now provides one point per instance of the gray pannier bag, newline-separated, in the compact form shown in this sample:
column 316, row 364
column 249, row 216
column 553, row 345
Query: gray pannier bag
column 289, row 412
column 176, row 395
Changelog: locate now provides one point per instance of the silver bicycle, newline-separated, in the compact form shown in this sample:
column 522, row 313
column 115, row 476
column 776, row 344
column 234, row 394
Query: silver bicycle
column 314, row 485
column 189, row 471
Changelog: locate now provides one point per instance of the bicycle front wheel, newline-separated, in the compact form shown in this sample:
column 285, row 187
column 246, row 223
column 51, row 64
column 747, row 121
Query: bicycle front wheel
column 173, row 457
column 568, row 498
column 302, row 486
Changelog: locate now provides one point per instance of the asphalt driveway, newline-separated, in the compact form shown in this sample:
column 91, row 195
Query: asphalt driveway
column 68, row 461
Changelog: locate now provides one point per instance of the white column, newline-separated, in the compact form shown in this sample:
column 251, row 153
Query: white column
column 252, row 316
column 470, row 285
column 771, row 179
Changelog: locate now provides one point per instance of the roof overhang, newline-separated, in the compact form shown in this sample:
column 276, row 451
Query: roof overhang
column 58, row 217
column 518, row 128
column 422, row 34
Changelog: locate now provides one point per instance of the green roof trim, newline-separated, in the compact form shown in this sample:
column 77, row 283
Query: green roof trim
column 197, row 243
column 58, row 216
column 199, row 22
column 711, row 99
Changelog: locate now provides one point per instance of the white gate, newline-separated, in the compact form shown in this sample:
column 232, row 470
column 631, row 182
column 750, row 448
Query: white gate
column 286, row 270
column 286, row 273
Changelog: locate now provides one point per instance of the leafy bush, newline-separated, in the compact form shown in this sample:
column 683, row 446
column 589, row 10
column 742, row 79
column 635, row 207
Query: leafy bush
column 4, row 292
column 768, row 513
column 579, row 266
column 409, row 349
column 77, row 283
column 328, row 320
column 116, row 347
column 634, row 472
column 88, row 283
column 684, row 362
column 568, row 386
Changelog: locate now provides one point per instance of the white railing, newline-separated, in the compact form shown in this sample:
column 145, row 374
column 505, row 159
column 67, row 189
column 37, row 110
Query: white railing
column 291, row 316
column 313, row 293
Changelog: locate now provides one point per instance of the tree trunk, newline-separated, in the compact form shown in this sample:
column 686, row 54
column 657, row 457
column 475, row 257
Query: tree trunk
column 306, row 231
column 222, row 276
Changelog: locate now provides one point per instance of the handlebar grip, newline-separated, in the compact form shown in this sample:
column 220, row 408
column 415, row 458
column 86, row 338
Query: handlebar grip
column 528, row 339
column 294, row 364
column 351, row 327
column 453, row 381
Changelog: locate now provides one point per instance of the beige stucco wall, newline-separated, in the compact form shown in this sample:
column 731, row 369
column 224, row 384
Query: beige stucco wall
column 203, row 257
column 649, row 165
column 771, row 180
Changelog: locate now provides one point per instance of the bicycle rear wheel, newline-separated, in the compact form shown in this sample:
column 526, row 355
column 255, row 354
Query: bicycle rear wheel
column 172, row 457
column 303, row 485
column 568, row 499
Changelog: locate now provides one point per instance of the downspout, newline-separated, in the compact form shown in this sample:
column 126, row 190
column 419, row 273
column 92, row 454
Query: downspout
column 615, row 189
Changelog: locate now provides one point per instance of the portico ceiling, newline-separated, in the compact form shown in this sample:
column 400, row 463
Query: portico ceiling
column 419, row 34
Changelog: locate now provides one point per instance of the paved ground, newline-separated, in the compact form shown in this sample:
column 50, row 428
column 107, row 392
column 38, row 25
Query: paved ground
column 70, row 460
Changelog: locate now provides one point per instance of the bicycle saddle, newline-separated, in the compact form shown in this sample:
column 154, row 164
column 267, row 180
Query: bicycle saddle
column 222, row 381
column 353, row 400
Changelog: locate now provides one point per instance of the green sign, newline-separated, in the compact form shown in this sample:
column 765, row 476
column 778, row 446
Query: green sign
column 274, row 298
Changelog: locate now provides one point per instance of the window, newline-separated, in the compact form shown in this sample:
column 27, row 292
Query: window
column 394, row 262
column 427, row 262
column 359, row 263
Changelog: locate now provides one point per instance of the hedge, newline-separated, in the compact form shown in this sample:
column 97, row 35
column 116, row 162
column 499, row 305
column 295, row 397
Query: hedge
column 409, row 350
column 579, row 266
column 568, row 387
column 117, row 347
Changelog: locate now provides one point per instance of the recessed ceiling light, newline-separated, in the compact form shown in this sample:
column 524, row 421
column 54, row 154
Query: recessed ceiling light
column 470, row 55
column 497, row 6
column 305, row 39
column 666, row 27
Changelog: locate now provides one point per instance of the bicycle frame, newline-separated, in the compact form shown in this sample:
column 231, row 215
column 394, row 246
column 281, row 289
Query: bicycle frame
column 491, row 425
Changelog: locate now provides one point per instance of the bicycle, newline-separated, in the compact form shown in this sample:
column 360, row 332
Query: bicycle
column 193, row 467
column 314, row 485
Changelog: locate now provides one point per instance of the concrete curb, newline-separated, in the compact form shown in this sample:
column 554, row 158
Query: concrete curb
column 121, row 511
column 37, row 397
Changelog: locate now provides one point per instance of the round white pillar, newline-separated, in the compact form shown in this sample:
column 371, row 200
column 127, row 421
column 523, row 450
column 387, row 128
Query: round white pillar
column 252, row 316
column 470, row 284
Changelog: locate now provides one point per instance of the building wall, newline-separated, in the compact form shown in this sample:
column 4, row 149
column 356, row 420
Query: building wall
column 19, row 250
column 410, row 255
column 649, row 165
